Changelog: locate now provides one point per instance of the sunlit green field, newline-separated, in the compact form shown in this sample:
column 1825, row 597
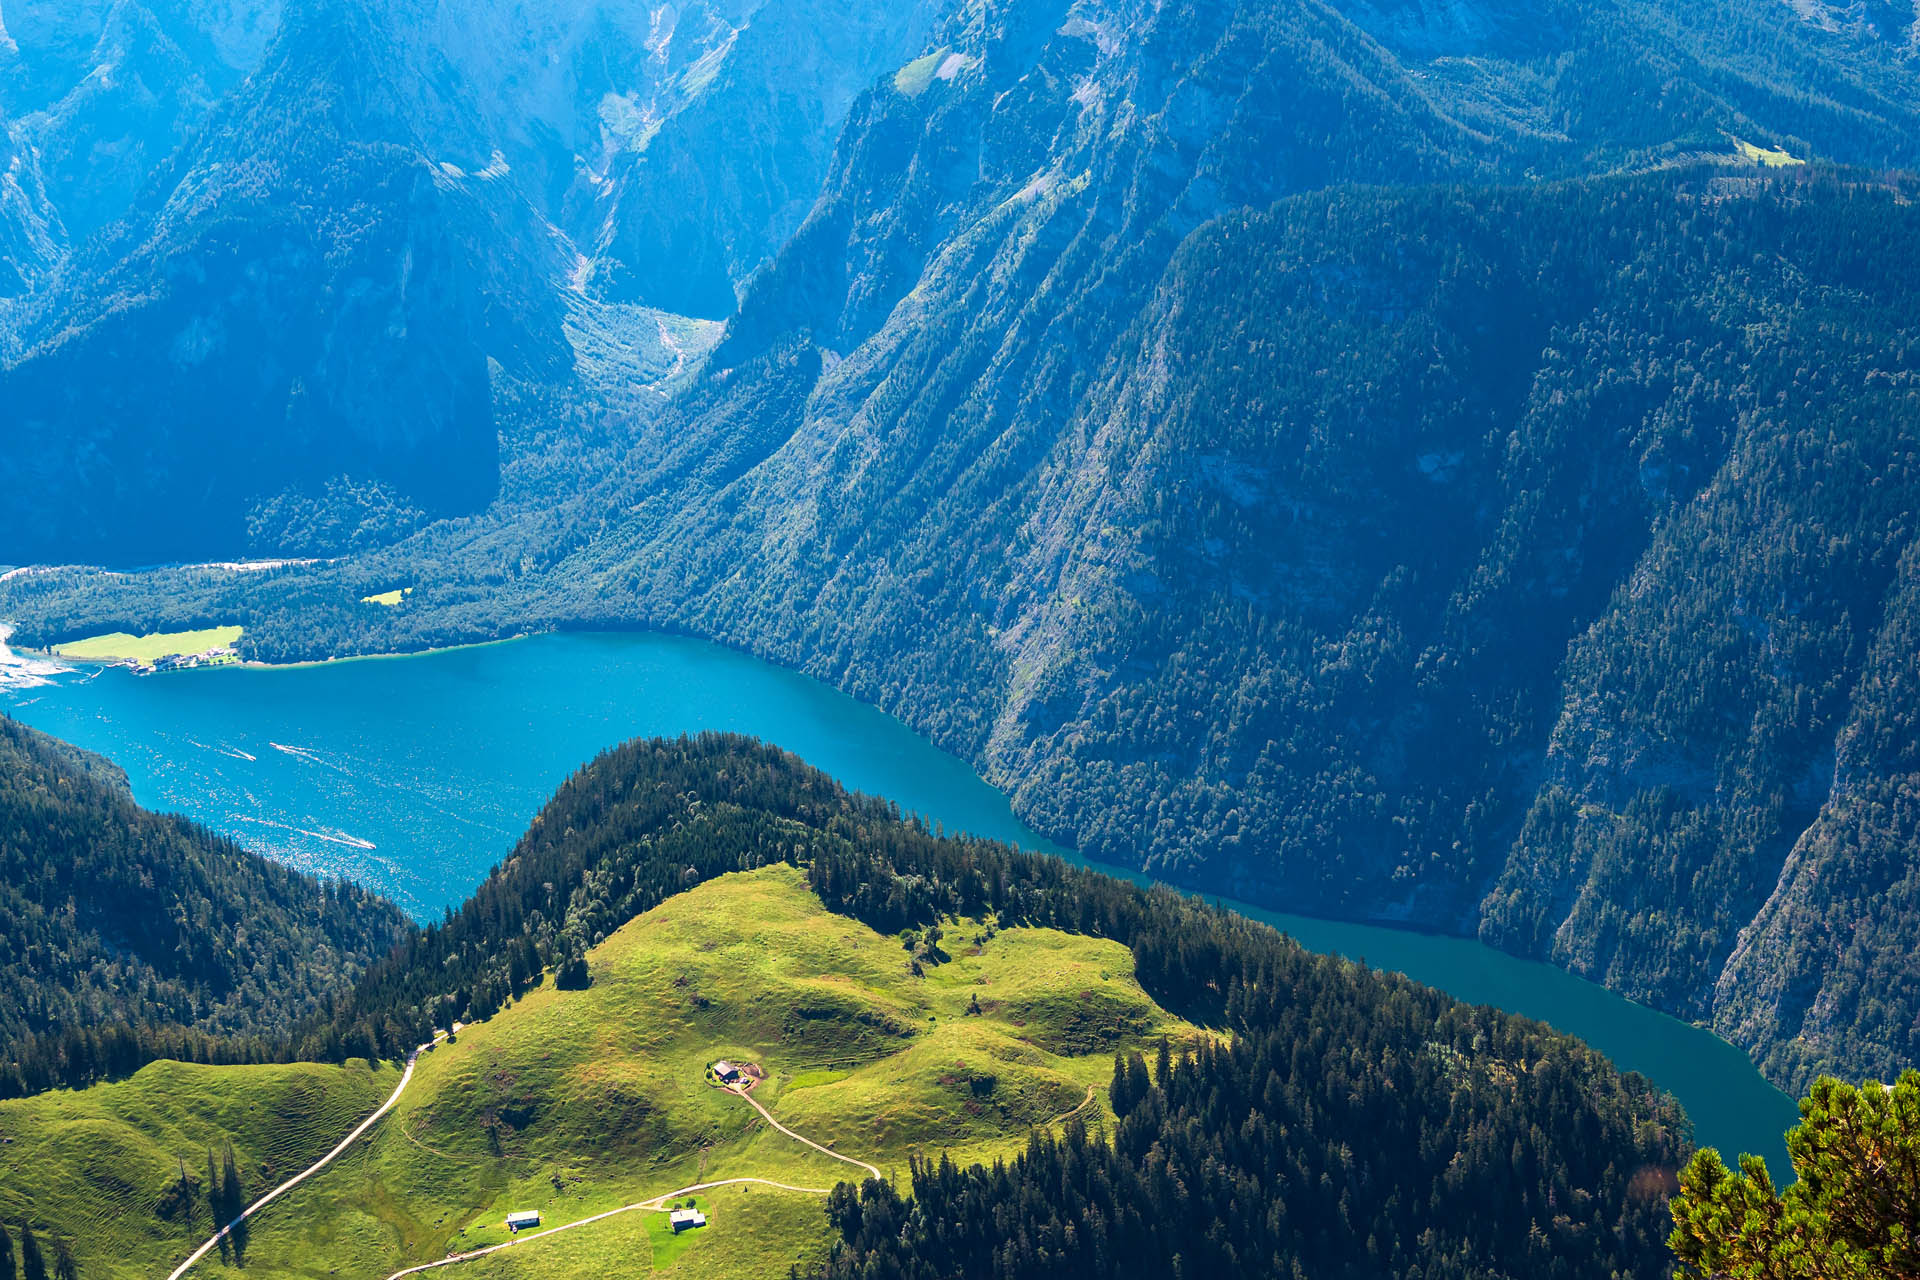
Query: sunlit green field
column 104, row 1165
column 576, row 1102
column 150, row 648
column 1768, row 157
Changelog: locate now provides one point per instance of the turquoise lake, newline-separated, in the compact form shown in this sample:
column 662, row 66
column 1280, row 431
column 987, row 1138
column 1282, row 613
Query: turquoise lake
column 415, row 775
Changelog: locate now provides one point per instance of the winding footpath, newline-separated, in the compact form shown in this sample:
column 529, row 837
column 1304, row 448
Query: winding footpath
column 406, row 1078
column 652, row 1204
column 1071, row 1112
column 755, row 1103
column 656, row 1203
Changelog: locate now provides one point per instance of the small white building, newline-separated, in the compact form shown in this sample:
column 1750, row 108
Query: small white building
column 725, row 1071
column 521, row 1219
column 683, row 1219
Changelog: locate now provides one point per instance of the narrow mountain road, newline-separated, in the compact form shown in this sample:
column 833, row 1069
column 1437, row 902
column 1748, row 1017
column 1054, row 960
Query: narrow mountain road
column 655, row 1203
column 406, row 1078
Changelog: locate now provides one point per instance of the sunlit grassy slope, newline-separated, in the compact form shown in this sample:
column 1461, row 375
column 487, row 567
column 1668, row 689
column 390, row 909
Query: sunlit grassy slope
column 1768, row 157
column 163, row 644
column 912, row 80
column 103, row 1165
column 574, row 1102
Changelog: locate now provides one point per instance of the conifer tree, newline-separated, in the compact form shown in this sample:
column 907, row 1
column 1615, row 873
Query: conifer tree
column 236, row 1202
column 33, row 1266
column 230, row 1193
column 1854, row 1213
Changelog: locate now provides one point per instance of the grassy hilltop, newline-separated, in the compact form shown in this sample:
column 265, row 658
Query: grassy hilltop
column 575, row 1102
column 903, row 994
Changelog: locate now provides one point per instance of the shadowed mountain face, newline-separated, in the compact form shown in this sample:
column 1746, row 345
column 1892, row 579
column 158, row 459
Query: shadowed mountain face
column 132, row 935
column 297, row 294
column 366, row 219
column 105, row 92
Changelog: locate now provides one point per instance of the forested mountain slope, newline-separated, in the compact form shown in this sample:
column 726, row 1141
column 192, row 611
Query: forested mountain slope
column 128, row 933
column 1442, row 463
column 1327, row 554
column 1282, row 599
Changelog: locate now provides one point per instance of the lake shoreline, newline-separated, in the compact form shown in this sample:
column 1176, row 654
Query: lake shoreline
column 434, row 768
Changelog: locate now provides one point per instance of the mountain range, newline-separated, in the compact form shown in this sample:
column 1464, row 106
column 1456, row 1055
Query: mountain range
column 1443, row 463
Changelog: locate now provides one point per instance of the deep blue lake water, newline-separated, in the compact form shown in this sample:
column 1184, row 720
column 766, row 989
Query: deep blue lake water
column 415, row 775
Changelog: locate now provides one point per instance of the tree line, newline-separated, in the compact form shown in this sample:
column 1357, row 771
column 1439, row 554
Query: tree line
column 127, row 936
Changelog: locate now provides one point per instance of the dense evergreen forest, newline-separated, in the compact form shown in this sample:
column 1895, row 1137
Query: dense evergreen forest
column 127, row 935
column 1104, row 1208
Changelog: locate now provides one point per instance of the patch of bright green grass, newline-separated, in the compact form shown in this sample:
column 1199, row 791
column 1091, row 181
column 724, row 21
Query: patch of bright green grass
column 912, row 80
column 751, row 1232
column 578, row 1102
column 1774, row 158
column 390, row 599
column 151, row 648
column 103, row 1165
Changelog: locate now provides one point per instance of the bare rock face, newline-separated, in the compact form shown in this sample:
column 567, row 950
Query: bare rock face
column 31, row 237
column 1890, row 20
column 678, row 146
column 708, row 177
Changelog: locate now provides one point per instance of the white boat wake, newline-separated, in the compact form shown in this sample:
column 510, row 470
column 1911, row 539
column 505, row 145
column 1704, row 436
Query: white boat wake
column 338, row 837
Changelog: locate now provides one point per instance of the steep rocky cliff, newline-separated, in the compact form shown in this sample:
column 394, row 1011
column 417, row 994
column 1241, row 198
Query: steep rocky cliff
column 31, row 237
column 104, row 93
